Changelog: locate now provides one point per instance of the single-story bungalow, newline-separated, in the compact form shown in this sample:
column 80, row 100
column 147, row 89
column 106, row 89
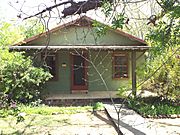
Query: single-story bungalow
column 81, row 61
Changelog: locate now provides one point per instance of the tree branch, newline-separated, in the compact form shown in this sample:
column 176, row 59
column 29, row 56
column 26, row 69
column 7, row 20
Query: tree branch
column 49, row 9
column 75, row 8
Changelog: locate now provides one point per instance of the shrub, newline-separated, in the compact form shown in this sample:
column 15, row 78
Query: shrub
column 20, row 80
column 124, row 90
column 154, row 106
column 98, row 106
column 165, row 82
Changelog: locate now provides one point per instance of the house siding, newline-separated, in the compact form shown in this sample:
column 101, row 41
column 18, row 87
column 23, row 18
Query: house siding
column 104, row 66
column 62, row 84
column 83, row 36
column 95, row 83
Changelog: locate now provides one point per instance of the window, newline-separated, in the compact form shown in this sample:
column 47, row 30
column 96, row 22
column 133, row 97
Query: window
column 51, row 63
column 120, row 65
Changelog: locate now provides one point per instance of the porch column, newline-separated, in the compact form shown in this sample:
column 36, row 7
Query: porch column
column 133, row 66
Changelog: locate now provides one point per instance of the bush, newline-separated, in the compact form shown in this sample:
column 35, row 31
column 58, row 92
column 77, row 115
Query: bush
column 20, row 80
column 124, row 90
column 98, row 106
column 154, row 106
column 165, row 82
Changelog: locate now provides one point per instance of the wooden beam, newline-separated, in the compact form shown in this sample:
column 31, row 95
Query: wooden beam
column 133, row 66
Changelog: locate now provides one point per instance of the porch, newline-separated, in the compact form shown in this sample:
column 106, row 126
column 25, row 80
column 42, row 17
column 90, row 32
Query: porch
column 76, row 99
column 89, row 95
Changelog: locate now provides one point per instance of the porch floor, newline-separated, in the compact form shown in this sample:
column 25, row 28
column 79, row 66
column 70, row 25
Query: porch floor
column 89, row 95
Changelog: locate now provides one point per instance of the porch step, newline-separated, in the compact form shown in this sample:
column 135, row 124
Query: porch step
column 79, row 102
column 77, row 99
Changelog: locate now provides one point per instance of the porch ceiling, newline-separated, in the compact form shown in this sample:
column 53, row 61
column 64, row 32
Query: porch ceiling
column 68, row 47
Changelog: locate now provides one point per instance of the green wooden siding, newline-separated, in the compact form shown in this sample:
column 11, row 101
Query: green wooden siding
column 102, row 62
column 83, row 36
column 62, row 85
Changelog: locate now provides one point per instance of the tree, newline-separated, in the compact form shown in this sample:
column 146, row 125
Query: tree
column 121, row 14
column 19, row 79
column 165, row 53
column 9, row 34
column 31, row 28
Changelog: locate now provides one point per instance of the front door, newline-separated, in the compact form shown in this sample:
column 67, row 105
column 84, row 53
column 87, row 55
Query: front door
column 79, row 73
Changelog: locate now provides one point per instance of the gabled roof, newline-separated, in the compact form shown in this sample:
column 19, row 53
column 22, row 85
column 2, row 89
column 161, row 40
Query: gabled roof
column 82, row 21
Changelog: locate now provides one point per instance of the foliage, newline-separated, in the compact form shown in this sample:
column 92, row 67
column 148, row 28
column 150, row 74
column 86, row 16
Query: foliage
column 98, row 106
column 163, row 61
column 154, row 106
column 20, row 80
column 100, row 29
column 166, row 32
column 164, row 37
column 12, row 33
column 31, row 27
column 118, row 21
column 7, row 108
column 106, row 8
column 165, row 82
column 9, row 34
column 122, row 91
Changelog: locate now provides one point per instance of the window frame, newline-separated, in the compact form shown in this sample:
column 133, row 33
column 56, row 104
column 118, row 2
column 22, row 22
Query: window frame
column 54, row 54
column 116, row 54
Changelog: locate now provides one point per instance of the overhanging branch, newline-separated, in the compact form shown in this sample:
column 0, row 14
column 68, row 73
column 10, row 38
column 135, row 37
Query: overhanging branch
column 75, row 8
column 49, row 9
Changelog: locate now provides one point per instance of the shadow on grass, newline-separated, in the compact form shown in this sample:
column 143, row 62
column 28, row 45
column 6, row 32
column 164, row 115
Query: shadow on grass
column 17, row 131
column 105, row 119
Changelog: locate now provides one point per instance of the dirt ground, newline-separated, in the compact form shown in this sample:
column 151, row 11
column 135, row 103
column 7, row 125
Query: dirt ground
column 166, row 126
column 61, row 124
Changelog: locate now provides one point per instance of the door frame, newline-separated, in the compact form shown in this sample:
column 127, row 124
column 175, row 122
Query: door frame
column 79, row 88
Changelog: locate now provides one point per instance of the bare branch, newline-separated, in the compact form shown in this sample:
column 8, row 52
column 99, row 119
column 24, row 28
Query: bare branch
column 49, row 9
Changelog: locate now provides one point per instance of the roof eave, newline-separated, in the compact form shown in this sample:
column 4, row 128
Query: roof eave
column 69, row 47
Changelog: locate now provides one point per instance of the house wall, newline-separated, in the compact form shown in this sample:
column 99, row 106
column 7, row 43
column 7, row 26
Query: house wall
column 102, row 62
column 62, row 84
column 74, row 35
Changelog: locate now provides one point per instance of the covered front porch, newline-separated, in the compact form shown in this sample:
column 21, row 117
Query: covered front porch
column 75, row 73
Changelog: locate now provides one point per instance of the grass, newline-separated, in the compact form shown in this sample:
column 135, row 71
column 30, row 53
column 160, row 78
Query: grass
column 38, row 119
column 98, row 106
column 154, row 107
column 43, row 110
column 33, row 124
column 50, row 120
column 46, row 110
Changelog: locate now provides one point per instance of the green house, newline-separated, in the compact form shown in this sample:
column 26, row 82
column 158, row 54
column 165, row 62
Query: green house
column 81, row 61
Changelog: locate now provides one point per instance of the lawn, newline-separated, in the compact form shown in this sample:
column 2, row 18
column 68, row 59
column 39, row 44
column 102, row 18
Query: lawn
column 58, row 120
column 46, row 110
